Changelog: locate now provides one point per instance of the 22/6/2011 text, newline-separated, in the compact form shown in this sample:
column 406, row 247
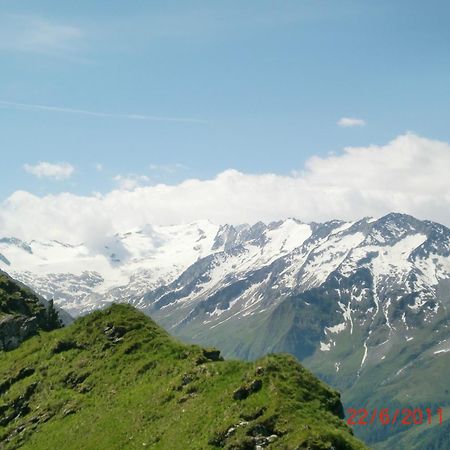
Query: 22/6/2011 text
column 385, row 416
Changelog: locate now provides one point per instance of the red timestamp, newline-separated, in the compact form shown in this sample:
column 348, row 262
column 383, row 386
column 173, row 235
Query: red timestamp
column 386, row 416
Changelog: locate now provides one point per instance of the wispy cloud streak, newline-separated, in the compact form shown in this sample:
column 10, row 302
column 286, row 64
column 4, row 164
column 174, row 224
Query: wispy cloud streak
column 59, row 109
column 34, row 34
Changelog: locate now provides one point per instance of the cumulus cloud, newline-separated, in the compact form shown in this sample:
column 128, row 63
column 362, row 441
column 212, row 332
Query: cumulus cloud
column 351, row 122
column 43, row 169
column 409, row 174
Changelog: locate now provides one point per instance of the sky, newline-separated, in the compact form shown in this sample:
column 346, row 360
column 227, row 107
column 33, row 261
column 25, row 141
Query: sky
column 231, row 111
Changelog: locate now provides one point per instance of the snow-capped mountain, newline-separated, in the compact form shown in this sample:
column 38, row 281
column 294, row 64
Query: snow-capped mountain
column 388, row 275
column 128, row 266
column 81, row 278
column 201, row 271
column 380, row 277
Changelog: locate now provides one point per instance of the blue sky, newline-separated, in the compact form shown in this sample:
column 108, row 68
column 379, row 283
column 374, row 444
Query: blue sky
column 255, row 86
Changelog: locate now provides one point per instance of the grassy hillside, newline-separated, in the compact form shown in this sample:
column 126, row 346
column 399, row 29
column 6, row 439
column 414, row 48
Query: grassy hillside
column 115, row 380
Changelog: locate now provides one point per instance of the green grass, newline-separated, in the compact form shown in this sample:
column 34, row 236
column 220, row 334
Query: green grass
column 134, row 386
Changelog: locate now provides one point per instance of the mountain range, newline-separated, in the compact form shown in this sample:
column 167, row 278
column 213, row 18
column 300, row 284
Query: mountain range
column 363, row 304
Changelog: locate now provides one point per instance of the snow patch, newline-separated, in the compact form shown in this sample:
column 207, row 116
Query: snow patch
column 325, row 347
column 337, row 328
column 445, row 350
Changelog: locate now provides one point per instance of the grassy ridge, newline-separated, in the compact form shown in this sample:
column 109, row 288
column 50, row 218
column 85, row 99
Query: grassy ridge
column 115, row 380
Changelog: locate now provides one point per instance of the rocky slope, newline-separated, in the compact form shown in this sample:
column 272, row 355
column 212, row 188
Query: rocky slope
column 22, row 313
column 115, row 380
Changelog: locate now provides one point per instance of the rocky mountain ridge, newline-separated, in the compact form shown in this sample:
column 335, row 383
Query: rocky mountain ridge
column 22, row 313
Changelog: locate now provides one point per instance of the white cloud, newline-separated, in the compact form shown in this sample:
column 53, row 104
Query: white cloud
column 131, row 181
column 409, row 174
column 43, row 169
column 34, row 34
column 350, row 122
